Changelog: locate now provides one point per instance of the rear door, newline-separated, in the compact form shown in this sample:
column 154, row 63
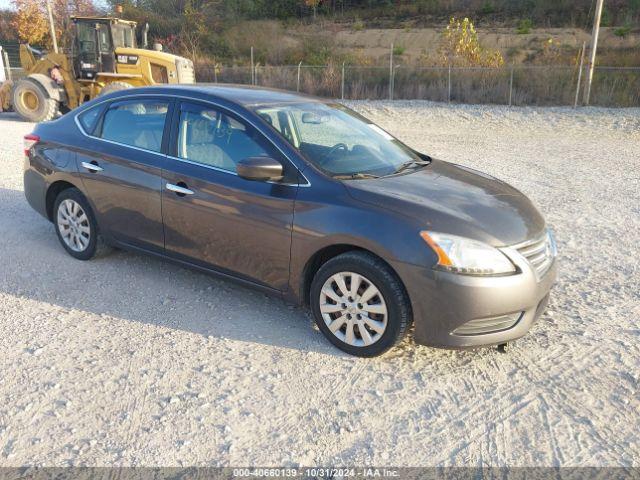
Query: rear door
column 213, row 217
column 121, row 169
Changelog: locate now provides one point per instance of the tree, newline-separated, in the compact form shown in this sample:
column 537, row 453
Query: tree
column 193, row 30
column 460, row 46
column 30, row 22
column 7, row 31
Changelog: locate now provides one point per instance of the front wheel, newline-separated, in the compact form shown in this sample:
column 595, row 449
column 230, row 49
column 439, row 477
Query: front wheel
column 360, row 304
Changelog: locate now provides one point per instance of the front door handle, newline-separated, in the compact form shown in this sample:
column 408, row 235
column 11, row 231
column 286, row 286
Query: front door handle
column 92, row 167
column 180, row 190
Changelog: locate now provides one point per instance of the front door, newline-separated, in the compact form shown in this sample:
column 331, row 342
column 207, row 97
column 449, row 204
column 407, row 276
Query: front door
column 121, row 170
column 212, row 216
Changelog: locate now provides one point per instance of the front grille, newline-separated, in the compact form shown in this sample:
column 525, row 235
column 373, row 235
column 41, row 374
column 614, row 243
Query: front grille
column 539, row 253
column 185, row 70
column 482, row 326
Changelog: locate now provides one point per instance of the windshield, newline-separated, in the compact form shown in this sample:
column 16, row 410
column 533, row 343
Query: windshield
column 123, row 36
column 339, row 141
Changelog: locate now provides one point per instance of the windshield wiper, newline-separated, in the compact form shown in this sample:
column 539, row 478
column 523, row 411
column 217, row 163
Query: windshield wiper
column 355, row 176
column 410, row 163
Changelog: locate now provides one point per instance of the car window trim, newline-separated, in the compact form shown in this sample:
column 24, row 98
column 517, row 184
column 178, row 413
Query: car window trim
column 173, row 100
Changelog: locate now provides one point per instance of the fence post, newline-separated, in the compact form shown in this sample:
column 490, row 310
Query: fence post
column 252, row 71
column 342, row 84
column 449, row 86
column 298, row 82
column 215, row 73
column 575, row 102
column 511, row 86
column 391, row 74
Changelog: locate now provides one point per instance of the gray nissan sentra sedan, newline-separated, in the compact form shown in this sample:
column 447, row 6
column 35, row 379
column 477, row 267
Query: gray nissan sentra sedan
column 301, row 198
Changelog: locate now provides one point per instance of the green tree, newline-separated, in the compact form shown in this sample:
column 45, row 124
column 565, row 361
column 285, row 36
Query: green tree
column 460, row 46
column 193, row 31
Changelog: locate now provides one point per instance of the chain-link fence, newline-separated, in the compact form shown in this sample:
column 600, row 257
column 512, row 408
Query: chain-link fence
column 517, row 85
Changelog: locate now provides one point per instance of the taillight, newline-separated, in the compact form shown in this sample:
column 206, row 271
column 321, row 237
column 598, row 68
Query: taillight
column 29, row 141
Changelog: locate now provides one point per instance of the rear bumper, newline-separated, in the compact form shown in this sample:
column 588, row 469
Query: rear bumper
column 443, row 302
column 35, row 189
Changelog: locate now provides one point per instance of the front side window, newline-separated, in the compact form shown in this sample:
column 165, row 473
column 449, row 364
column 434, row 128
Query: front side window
column 139, row 123
column 339, row 141
column 211, row 137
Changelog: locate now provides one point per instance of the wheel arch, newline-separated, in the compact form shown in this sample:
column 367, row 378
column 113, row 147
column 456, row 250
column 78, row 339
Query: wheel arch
column 325, row 254
column 54, row 90
column 52, row 193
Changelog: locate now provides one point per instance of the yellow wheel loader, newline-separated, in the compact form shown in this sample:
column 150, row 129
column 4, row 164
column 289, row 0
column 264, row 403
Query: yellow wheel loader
column 5, row 82
column 103, row 58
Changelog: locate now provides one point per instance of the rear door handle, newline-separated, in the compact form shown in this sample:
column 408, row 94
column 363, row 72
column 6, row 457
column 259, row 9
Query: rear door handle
column 92, row 167
column 180, row 190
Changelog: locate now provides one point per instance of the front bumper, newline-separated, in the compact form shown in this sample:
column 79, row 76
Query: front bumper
column 443, row 302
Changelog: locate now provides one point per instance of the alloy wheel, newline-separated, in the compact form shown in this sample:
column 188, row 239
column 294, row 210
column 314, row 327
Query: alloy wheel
column 353, row 309
column 73, row 225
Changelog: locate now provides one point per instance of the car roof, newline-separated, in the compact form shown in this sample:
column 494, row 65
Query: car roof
column 244, row 95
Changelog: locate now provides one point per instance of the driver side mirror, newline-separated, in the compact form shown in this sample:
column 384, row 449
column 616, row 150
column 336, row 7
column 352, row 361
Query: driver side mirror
column 260, row 169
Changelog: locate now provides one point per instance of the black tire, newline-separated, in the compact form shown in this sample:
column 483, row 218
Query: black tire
column 32, row 102
column 95, row 246
column 114, row 87
column 377, row 272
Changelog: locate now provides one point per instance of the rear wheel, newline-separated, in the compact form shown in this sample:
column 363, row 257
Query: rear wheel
column 360, row 304
column 76, row 225
column 32, row 102
column 114, row 87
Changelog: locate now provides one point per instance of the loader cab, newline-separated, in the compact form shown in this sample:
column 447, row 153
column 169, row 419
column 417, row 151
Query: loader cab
column 95, row 44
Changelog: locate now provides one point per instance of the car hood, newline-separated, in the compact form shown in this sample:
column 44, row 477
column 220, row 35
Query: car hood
column 449, row 198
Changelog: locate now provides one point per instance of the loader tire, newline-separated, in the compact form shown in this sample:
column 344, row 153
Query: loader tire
column 32, row 102
column 114, row 87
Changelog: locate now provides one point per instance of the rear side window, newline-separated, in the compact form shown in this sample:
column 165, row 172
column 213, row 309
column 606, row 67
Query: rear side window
column 89, row 119
column 139, row 123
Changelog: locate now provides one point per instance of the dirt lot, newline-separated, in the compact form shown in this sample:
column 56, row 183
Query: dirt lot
column 131, row 361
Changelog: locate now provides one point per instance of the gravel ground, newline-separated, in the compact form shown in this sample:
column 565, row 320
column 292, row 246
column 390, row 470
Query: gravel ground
column 128, row 360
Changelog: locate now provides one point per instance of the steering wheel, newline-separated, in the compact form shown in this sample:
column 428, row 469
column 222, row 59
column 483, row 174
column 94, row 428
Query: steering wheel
column 334, row 149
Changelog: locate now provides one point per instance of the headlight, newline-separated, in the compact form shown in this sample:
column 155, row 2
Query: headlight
column 466, row 256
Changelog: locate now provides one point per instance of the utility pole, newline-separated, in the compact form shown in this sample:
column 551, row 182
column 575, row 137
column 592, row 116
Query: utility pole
column 594, row 47
column 579, row 83
column 52, row 26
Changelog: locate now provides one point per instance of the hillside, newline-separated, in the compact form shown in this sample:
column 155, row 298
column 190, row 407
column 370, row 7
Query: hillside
column 323, row 42
column 517, row 48
column 360, row 32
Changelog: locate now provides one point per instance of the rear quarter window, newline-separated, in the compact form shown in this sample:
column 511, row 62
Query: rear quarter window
column 89, row 119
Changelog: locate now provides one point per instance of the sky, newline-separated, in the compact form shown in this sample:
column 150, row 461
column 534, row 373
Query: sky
column 7, row 4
